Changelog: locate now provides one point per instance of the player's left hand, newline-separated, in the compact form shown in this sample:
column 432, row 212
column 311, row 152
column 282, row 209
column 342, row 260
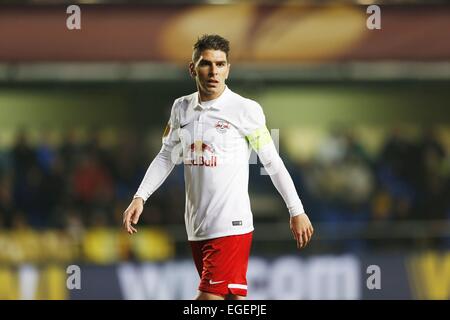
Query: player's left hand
column 132, row 214
column 302, row 229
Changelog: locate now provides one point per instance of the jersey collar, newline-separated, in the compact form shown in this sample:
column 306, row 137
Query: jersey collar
column 195, row 104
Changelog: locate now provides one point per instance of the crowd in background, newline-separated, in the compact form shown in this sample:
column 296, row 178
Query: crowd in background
column 408, row 179
column 86, row 184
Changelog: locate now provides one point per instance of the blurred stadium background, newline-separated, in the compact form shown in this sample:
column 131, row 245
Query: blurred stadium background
column 364, row 131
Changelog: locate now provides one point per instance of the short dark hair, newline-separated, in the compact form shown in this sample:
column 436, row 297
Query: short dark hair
column 212, row 42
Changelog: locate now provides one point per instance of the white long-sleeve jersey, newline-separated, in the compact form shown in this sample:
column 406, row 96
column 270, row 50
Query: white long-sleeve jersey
column 214, row 142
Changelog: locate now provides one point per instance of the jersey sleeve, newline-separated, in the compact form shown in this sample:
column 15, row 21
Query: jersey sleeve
column 261, row 141
column 254, row 128
column 170, row 137
column 164, row 162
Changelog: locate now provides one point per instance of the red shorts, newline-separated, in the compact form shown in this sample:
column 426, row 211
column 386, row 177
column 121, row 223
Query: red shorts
column 222, row 264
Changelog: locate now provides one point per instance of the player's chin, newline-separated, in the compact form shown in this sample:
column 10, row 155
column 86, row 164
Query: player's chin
column 210, row 90
column 213, row 88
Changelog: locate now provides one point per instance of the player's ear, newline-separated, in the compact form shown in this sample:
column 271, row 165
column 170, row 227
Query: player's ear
column 192, row 69
column 228, row 71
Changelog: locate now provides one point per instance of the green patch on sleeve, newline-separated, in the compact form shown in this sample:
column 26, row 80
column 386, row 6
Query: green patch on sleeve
column 259, row 138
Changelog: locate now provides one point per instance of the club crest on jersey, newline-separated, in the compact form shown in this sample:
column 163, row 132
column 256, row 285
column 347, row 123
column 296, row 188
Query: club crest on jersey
column 222, row 126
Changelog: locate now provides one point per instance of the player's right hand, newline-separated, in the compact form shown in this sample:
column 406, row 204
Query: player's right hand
column 132, row 214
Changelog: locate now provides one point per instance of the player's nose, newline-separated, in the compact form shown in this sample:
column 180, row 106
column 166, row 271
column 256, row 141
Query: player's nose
column 214, row 70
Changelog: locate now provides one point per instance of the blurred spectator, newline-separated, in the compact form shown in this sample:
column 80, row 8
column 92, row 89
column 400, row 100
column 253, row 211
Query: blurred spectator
column 5, row 160
column 126, row 170
column 92, row 183
column 54, row 191
column 70, row 150
column 23, row 156
column 6, row 199
column 45, row 154
column 433, row 184
column 342, row 177
column 397, row 169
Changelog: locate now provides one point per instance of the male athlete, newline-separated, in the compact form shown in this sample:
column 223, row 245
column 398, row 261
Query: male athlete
column 213, row 131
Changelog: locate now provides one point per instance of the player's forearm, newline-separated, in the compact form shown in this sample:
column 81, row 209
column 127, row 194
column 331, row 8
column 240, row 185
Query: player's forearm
column 285, row 186
column 281, row 179
column 156, row 174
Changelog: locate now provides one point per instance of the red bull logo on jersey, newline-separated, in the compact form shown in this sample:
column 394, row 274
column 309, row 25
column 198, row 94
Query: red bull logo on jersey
column 202, row 154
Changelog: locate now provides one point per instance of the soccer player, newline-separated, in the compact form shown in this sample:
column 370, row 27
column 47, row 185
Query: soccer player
column 213, row 131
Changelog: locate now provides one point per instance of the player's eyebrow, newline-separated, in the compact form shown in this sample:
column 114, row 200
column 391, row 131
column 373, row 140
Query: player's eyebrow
column 206, row 61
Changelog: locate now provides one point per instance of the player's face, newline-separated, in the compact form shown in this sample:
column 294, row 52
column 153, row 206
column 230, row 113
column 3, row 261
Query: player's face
column 210, row 72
